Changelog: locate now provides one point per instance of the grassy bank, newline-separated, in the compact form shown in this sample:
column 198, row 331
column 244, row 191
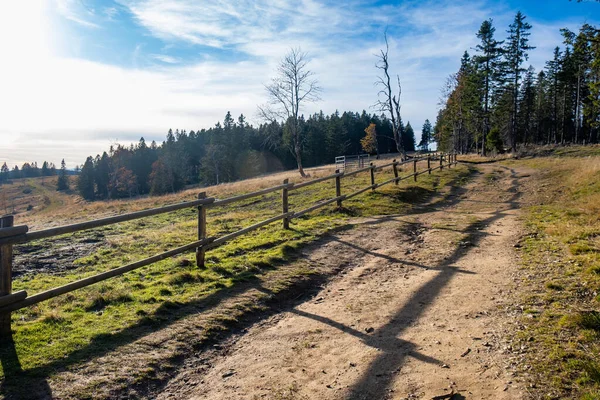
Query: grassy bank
column 66, row 331
column 561, row 258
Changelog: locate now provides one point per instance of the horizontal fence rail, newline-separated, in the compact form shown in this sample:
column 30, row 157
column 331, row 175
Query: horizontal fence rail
column 11, row 235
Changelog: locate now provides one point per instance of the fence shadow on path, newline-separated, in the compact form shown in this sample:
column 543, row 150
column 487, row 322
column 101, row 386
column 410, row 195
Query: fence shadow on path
column 35, row 380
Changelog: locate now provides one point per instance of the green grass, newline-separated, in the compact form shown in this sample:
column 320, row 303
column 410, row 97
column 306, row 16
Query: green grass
column 70, row 329
column 562, row 261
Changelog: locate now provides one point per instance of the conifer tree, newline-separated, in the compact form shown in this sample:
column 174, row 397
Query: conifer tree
column 408, row 138
column 4, row 173
column 101, row 175
column 426, row 136
column 488, row 65
column 592, row 111
column 63, row 179
column 515, row 53
column 553, row 69
column 45, row 171
column 85, row 181
column 527, row 99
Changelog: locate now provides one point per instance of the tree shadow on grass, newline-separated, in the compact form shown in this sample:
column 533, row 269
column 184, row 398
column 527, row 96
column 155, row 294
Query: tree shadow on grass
column 375, row 382
column 22, row 384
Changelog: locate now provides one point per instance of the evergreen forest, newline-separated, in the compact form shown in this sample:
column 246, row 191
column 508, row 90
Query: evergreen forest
column 497, row 102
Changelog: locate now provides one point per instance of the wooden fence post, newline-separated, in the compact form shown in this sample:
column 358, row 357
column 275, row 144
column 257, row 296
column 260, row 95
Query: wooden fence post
column 415, row 169
column 201, row 231
column 5, row 275
column 338, row 188
column 429, row 164
column 449, row 160
column 395, row 166
column 441, row 161
column 372, row 176
column 284, row 204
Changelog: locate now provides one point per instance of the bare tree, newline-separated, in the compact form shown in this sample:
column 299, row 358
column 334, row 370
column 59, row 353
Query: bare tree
column 293, row 86
column 387, row 101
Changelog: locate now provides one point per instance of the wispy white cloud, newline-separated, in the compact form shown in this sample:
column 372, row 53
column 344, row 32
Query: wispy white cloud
column 165, row 58
column 228, row 23
column 110, row 12
column 84, row 106
column 76, row 11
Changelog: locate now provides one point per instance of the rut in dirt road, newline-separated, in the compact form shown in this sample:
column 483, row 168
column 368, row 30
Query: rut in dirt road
column 415, row 315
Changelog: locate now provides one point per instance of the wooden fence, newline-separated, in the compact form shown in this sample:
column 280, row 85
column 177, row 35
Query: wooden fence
column 11, row 235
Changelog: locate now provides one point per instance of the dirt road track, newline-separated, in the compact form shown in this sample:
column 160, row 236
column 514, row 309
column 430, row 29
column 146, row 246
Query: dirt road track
column 417, row 312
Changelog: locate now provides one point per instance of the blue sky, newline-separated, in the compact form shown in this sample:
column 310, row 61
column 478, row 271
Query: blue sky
column 80, row 75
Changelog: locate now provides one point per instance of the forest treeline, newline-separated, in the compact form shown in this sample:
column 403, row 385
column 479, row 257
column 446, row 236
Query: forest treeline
column 495, row 103
column 27, row 170
column 31, row 170
column 229, row 151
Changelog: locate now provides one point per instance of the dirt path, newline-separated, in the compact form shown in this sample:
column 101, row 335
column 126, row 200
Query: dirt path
column 418, row 312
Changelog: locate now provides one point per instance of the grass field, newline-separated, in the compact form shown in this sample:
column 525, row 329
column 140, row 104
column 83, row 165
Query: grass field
column 66, row 330
column 561, row 259
column 558, row 298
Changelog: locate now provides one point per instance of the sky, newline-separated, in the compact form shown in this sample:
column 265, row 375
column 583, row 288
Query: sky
column 79, row 75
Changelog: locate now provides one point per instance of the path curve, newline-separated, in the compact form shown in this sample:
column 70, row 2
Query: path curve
column 417, row 312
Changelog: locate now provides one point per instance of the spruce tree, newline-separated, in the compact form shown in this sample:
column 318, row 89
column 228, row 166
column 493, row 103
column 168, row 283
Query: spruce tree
column 488, row 66
column 527, row 100
column 4, row 173
column 85, row 182
column 63, row 179
column 102, row 175
column 553, row 69
column 426, row 136
column 592, row 111
column 515, row 53
column 408, row 138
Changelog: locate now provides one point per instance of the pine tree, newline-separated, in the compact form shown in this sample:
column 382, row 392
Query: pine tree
column 581, row 56
column 553, row 68
column 85, row 182
column 408, row 138
column 45, row 171
column 592, row 111
column 426, row 136
column 542, row 109
column 515, row 53
column 63, row 179
column 525, row 122
column 102, row 175
column 488, row 66
column 335, row 137
column 4, row 173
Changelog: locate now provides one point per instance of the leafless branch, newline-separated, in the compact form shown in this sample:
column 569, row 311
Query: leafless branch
column 294, row 85
column 387, row 102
